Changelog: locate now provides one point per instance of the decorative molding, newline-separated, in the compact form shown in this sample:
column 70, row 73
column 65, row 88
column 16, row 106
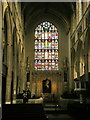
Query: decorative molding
column 46, row 72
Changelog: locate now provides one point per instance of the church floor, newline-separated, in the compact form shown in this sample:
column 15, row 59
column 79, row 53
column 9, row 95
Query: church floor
column 47, row 111
column 57, row 112
column 59, row 117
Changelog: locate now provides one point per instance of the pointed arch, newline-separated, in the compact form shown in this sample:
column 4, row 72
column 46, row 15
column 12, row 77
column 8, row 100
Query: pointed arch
column 46, row 47
column 87, row 50
column 7, row 54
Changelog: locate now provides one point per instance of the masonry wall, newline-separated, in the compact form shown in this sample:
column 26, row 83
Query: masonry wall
column 13, row 51
column 57, row 79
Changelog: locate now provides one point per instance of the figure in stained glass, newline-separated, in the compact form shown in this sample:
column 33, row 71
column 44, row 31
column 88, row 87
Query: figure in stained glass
column 46, row 47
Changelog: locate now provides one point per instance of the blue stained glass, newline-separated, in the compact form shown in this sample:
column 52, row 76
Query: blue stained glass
column 46, row 47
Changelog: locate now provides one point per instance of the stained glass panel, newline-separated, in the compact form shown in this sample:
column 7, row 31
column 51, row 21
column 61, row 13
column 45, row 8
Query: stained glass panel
column 46, row 47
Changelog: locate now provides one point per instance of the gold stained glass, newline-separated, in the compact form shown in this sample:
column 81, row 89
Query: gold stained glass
column 46, row 47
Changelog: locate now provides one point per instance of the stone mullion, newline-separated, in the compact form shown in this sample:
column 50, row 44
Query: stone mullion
column 18, row 70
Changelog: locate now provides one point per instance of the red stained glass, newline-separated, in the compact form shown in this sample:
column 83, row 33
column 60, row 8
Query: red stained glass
column 46, row 47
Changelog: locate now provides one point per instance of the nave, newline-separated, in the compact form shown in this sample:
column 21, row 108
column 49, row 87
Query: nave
column 45, row 60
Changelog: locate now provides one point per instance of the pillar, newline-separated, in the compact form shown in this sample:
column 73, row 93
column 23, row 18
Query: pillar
column 15, row 73
column 80, row 10
column 22, row 77
column 69, row 56
column 86, row 67
column 9, row 61
column 0, row 54
column 77, row 15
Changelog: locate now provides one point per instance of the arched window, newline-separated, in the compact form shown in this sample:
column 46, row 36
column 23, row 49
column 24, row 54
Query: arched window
column 46, row 47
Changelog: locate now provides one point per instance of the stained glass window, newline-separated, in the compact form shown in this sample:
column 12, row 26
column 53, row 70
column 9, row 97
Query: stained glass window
column 46, row 47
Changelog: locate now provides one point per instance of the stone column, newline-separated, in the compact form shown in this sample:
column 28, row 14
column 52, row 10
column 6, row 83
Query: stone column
column 86, row 66
column 24, row 74
column 58, row 84
column 78, row 68
column 79, row 10
column 69, row 66
column 84, row 6
column 24, row 68
column 89, row 56
column 22, row 77
column 72, row 75
column 19, row 68
column 0, row 54
column 77, row 14
column 73, row 24
column 9, row 61
column 15, row 74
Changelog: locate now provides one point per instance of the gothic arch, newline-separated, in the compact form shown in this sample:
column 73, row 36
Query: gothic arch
column 87, row 50
column 80, row 60
column 46, row 47
column 8, row 53
column 51, row 13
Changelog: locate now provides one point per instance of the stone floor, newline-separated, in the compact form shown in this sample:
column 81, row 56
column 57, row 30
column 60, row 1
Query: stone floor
column 59, row 117
column 57, row 112
column 54, row 111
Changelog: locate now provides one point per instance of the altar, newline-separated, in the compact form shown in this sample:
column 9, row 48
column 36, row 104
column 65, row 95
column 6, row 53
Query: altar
column 38, row 101
column 30, row 101
column 48, row 97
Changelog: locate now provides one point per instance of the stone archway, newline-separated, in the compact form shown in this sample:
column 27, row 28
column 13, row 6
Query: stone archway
column 4, row 58
column 87, row 53
column 9, row 58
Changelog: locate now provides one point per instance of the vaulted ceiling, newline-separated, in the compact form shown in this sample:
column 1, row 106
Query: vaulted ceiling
column 62, row 9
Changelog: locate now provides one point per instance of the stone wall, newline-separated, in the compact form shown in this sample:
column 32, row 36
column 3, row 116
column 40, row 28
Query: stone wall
column 13, row 48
